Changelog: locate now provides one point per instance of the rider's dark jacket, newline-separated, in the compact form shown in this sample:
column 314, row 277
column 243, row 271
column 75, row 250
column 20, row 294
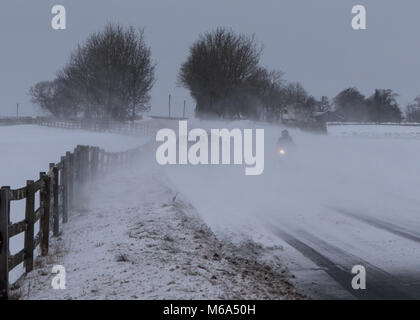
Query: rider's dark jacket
column 285, row 142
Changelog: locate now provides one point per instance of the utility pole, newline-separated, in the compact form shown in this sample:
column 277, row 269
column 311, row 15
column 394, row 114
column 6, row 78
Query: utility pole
column 183, row 112
column 17, row 111
column 169, row 106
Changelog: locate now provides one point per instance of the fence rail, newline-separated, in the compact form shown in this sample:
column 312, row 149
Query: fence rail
column 59, row 190
column 145, row 128
column 402, row 124
column 128, row 128
column 16, row 121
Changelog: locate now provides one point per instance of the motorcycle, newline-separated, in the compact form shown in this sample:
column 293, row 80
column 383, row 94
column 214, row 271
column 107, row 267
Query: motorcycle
column 285, row 152
column 282, row 153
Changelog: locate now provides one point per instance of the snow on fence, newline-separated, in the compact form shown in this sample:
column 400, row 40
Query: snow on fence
column 409, row 124
column 145, row 128
column 402, row 130
column 59, row 190
column 16, row 121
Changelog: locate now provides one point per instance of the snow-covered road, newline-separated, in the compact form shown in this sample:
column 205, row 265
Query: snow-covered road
column 352, row 195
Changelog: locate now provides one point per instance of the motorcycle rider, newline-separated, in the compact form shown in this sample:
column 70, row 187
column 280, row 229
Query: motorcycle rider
column 285, row 140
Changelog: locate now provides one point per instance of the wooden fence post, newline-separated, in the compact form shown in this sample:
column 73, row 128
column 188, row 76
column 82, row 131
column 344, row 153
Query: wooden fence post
column 45, row 196
column 68, row 174
column 29, row 233
column 111, row 161
column 121, row 160
column 82, row 163
column 126, row 158
column 70, row 178
column 88, row 163
column 76, row 166
column 4, row 243
column 55, row 187
column 105, row 162
column 95, row 162
column 100, row 161
column 64, row 189
column 78, row 171
column 85, row 163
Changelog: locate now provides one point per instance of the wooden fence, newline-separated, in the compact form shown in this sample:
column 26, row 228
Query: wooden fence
column 402, row 124
column 145, row 128
column 127, row 128
column 59, row 191
column 16, row 121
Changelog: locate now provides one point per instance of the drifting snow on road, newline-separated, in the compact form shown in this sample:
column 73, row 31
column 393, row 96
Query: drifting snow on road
column 376, row 179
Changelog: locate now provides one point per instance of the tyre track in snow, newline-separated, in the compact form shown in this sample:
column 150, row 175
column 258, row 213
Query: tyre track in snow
column 392, row 228
column 380, row 284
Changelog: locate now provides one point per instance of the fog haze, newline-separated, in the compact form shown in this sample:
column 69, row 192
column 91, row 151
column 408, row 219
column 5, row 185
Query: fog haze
column 311, row 41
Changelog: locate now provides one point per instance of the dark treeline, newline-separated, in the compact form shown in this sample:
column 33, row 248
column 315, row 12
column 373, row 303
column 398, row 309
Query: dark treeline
column 224, row 75
column 351, row 105
column 413, row 111
column 111, row 74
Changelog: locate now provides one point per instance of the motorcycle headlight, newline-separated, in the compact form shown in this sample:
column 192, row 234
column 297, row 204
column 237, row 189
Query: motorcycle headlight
column 282, row 152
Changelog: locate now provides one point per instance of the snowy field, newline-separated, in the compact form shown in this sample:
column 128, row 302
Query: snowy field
column 27, row 150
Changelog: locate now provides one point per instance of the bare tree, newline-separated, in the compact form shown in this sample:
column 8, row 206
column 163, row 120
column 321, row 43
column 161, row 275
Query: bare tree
column 269, row 87
column 111, row 74
column 218, row 72
column 383, row 106
column 42, row 94
column 351, row 105
column 413, row 111
column 55, row 97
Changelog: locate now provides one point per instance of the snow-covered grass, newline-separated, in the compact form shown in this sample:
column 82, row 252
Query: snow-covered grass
column 133, row 238
column 26, row 150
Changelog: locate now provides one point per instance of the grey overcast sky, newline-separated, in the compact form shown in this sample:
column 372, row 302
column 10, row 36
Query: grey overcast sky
column 310, row 40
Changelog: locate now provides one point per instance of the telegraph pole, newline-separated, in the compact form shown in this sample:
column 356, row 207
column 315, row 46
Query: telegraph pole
column 183, row 112
column 17, row 111
column 169, row 106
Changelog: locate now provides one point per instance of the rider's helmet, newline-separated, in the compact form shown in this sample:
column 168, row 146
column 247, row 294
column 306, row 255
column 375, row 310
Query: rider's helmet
column 284, row 133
